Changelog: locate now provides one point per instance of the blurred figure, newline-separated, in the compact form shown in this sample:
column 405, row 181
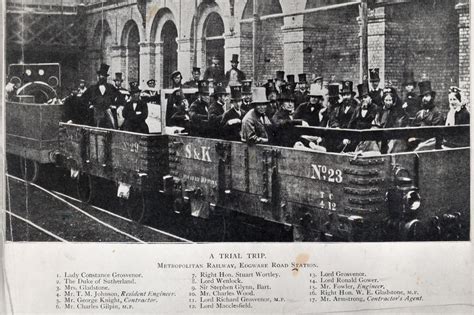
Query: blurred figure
column 234, row 76
column 411, row 101
column 247, row 95
column 215, row 71
column 196, row 76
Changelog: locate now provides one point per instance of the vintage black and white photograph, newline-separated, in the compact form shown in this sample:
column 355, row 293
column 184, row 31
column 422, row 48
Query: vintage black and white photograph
column 196, row 121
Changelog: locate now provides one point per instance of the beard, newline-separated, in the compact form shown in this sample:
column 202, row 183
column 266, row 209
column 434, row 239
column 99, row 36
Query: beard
column 428, row 105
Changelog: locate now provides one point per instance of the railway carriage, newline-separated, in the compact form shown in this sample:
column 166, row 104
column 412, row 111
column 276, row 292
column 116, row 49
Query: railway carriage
column 303, row 194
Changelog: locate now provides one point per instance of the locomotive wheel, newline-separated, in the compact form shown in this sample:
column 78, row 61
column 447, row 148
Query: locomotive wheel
column 85, row 187
column 29, row 169
column 135, row 206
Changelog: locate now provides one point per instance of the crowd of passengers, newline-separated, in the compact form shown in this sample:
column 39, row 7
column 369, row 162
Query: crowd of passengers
column 227, row 106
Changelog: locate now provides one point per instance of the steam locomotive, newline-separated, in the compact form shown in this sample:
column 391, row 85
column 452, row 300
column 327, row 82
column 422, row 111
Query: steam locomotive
column 312, row 196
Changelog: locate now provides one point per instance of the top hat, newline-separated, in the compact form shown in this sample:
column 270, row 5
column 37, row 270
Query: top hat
column 246, row 86
column 408, row 78
column 333, row 89
column 118, row 76
column 425, row 88
column 259, row 96
column 347, row 87
column 151, row 81
column 363, row 88
column 235, row 92
column 134, row 87
column 302, row 78
column 317, row 90
column 290, row 78
column 374, row 74
column 235, row 58
column 286, row 95
column 219, row 89
column 203, row 87
column 104, row 68
column 280, row 75
column 196, row 69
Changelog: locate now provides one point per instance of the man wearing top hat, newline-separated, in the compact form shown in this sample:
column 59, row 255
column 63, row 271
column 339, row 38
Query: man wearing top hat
column 290, row 83
column 283, row 120
column 120, row 100
column 246, row 95
column 301, row 93
column 217, row 109
column 365, row 113
column 314, row 112
column 375, row 91
column 100, row 97
column 199, row 111
column 279, row 80
column 272, row 96
column 196, row 76
column 343, row 113
column 231, row 123
column 150, row 95
column 234, row 76
column 256, row 125
column 135, row 111
column 215, row 71
column 429, row 115
column 411, row 101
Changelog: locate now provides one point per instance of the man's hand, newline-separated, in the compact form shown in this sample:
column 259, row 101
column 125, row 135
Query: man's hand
column 233, row 121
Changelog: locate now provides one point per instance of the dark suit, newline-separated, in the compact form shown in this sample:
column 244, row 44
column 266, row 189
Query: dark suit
column 311, row 114
column 103, row 116
column 429, row 117
column 283, row 123
column 253, row 127
column 199, row 115
column 216, row 112
column 232, row 132
column 76, row 110
column 237, row 74
column 300, row 97
column 413, row 104
column 363, row 119
column 343, row 114
column 135, row 118
column 215, row 73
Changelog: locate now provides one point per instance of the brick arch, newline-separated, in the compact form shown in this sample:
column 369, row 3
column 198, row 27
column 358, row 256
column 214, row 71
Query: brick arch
column 161, row 17
column 127, row 28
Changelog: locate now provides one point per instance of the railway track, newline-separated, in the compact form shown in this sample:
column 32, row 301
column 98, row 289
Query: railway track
column 36, row 213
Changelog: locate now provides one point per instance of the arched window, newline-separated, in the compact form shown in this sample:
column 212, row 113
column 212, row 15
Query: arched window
column 214, row 38
column 169, row 33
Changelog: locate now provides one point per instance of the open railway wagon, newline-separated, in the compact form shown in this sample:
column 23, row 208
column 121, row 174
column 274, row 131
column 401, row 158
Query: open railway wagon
column 312, row 196
column 32, row 123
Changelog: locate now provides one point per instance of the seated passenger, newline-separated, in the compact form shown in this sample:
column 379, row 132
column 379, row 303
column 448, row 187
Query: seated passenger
column 343, row 113
column 391, row 116
column 283, row 121
column 246, row 95
column 256, row 126
column 180, row 116
column 314, row 112
column 135, row 111
column 429, row 115
column 231, row 123
column 457, row 115
column 217, row 109
column 364, row 114
column 272, row 95
column 199, row 111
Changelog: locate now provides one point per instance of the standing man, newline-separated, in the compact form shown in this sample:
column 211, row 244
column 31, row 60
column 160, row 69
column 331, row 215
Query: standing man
column 231, row 122
column 135, row 111
column 302, row 90
column 101, row 96
column 256, row 126
column 196, row 76
column 411, row 101
column 215, row 71
column 199, row 111
column 291, row 85
column 234, row 76
column 279, row 80
column 217, row 109
column 247, row 95
column 121, row 99
column 151, row 95
column 375, row 91
column 272, row 96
